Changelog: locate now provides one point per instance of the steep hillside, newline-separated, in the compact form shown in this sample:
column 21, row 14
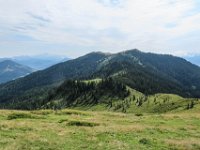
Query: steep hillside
column 10, row 70
column 146, row 72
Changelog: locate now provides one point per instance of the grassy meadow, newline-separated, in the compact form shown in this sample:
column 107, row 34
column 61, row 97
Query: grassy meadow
column 99, row 130
column 139, row 122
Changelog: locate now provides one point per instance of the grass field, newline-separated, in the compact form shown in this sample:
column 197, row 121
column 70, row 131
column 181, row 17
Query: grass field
column 99, row 130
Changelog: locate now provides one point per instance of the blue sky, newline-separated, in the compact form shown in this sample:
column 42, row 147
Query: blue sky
column 75, row 27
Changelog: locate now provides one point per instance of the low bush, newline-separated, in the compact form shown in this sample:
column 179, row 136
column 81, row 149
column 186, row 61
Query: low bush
column 22, row 116
column 138, row 114
column 82, row 123
column 144, row 141
column 63, row 120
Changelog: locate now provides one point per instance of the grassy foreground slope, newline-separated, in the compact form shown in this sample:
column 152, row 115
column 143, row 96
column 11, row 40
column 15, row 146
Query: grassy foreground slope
column 78, row 130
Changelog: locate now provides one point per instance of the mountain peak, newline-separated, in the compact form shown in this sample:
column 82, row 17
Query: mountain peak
column 133, row 50
column 94, row 56
column 99, row 53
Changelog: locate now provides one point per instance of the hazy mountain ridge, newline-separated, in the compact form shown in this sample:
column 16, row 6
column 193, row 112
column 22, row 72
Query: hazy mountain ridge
column 38, row 62
column 10, row 70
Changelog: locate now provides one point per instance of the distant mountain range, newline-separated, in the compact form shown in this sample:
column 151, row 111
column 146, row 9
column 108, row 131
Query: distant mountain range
column 10, row 70
column 146, row 72
column 38, row 62
column 194, row 59
column 24, row 65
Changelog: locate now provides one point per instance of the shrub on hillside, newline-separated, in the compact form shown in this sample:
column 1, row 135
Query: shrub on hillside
column 22, row 116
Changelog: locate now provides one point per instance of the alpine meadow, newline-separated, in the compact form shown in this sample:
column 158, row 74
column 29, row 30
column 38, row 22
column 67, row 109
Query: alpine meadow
column 71, row 79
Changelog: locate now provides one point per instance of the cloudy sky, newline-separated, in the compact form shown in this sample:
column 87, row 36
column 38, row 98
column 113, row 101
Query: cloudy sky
column 75, row 27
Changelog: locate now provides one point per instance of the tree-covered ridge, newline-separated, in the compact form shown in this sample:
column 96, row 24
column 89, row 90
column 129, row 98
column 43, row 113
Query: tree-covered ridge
column 79, row 93
column 103, row 94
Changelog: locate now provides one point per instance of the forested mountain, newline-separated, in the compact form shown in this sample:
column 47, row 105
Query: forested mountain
column 35, row 86
column 10, row 70
column 151, row 73
column 146, row 72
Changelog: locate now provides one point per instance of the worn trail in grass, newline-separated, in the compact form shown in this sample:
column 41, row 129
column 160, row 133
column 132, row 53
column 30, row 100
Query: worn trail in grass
column 71, row 129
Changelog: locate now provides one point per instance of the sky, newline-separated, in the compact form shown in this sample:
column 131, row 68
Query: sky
column 75, row 27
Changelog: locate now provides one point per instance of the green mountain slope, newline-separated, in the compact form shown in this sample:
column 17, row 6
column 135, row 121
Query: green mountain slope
column 138, row 103
column 110, row 95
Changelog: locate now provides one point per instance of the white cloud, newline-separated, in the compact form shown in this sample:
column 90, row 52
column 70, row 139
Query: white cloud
column 109, row 25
